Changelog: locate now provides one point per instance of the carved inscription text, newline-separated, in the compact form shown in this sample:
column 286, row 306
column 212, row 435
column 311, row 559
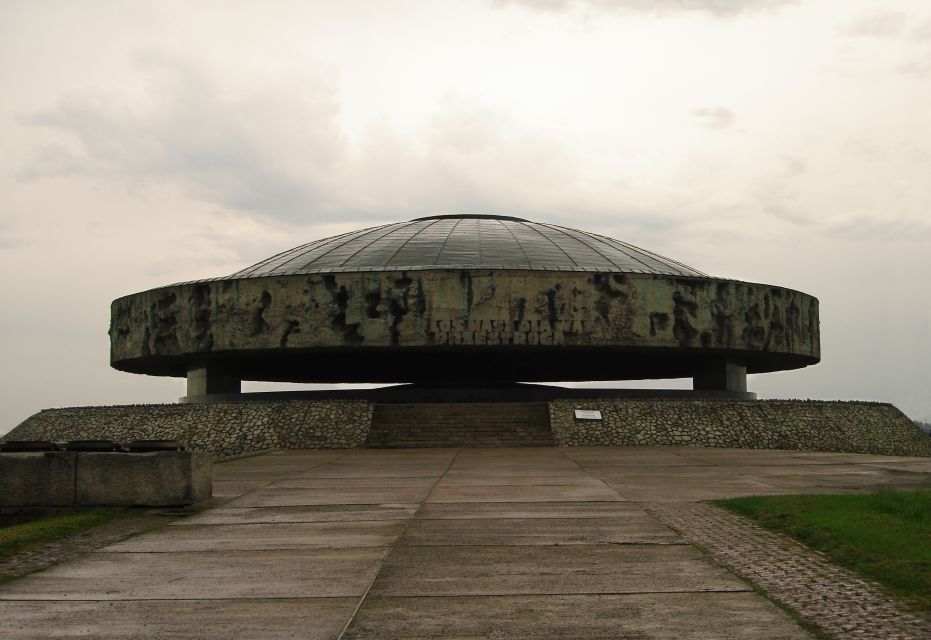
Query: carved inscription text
column 472, row 332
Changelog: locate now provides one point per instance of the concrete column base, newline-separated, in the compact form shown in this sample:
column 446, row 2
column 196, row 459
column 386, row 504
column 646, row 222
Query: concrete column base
column 720, row 375
column 210, row 379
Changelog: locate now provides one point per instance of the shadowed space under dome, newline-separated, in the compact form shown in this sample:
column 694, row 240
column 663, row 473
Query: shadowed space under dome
column 462, row 300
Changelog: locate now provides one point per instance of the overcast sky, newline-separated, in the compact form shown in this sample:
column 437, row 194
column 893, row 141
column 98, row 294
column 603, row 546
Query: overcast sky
column 145, row 143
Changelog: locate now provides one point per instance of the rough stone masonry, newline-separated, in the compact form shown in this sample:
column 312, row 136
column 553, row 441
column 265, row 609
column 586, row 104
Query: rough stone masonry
column 234, row 428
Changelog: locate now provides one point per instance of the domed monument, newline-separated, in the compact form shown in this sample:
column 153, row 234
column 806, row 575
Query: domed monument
column 464, row 300
column 468, row 309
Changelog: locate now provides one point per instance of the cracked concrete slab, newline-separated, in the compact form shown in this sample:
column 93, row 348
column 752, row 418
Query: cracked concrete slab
column 915, row 466
column 283, row 497
column 541, row 509
column 245, row 619
column 639, row 529
column 198, row 576
column 686, row 488
column 628, row 456
column 366, row 471
column 311, row 513
column 848, row 482
column 672, row 616
column 463, row 479
column 231, row 489
column 502, row 570
column 355, row 483
column 472, row 543
column 264, row 537
column 522, row 493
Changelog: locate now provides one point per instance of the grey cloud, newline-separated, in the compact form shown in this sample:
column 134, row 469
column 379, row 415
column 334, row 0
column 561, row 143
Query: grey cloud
column 780, row 194
column 264, row 152
column 286, row 158
column 918, row 66
column 879, row 24
column 921, row 32
column 270, row 153
column 794, row 166
column 890, row 24
column 11, row 238
column 52, row 160
column 786, row 207
column 718, row 8
column 467, row 158
column 472, row 158
column 873, row 228
column 540, row 5
column 714, row 117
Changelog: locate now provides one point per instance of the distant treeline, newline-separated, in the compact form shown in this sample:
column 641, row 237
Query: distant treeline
column 924, row 426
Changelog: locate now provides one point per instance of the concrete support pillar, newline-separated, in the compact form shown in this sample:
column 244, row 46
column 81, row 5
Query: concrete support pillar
column 720, row 375
column 210, row 379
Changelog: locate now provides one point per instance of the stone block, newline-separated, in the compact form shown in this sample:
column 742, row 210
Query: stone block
column 37, row 479
column 159, row 479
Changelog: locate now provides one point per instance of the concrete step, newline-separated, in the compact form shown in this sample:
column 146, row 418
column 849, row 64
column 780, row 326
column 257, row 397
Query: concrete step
column 499, row 424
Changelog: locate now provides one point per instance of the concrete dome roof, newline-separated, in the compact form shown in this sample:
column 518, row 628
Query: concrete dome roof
column 459, row 299
column 466, row 241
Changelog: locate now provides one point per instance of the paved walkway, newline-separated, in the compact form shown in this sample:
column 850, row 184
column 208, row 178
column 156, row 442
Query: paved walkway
column 444, row 543
column 840, row 603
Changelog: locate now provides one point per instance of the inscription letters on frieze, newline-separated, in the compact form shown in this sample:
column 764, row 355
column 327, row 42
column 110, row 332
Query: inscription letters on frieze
column 504, row 332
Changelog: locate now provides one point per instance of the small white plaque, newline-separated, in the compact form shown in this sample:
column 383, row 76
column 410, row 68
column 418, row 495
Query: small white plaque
column 587, row 414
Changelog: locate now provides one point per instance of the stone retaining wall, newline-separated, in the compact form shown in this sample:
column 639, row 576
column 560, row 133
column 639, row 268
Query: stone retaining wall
column 224, row 429
column 233, row 428
column 107, row 479
column 808, row 425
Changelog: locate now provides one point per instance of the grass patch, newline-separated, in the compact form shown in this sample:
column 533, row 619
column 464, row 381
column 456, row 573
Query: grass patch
column 885, row 536
column 66, row 523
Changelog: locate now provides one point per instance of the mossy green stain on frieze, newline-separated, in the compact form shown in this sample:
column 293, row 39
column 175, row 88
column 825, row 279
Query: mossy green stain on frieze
column 464, row 308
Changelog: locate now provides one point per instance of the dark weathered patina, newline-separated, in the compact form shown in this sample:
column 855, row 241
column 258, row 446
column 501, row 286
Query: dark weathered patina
column 464, row 298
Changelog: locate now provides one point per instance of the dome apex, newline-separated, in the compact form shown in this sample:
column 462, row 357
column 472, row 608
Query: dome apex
column 467, row 241
column 474, row 216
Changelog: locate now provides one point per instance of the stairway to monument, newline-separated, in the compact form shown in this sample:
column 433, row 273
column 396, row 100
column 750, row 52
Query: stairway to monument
column 473, row 424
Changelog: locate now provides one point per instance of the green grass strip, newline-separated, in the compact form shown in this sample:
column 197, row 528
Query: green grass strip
column 66, row 523
column 885, row 536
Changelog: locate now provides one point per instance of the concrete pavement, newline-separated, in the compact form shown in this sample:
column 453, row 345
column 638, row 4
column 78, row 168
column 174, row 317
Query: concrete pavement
column 439, row 543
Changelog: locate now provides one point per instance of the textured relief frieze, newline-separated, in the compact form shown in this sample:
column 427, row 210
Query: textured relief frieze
column 464, row 308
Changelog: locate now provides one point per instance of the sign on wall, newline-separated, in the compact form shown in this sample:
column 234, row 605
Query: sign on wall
column 587, row 414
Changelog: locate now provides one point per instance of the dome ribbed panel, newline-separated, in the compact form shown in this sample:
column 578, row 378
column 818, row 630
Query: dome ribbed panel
column 466, row 242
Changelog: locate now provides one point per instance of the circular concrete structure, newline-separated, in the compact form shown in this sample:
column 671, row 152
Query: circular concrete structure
column 459, row 299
